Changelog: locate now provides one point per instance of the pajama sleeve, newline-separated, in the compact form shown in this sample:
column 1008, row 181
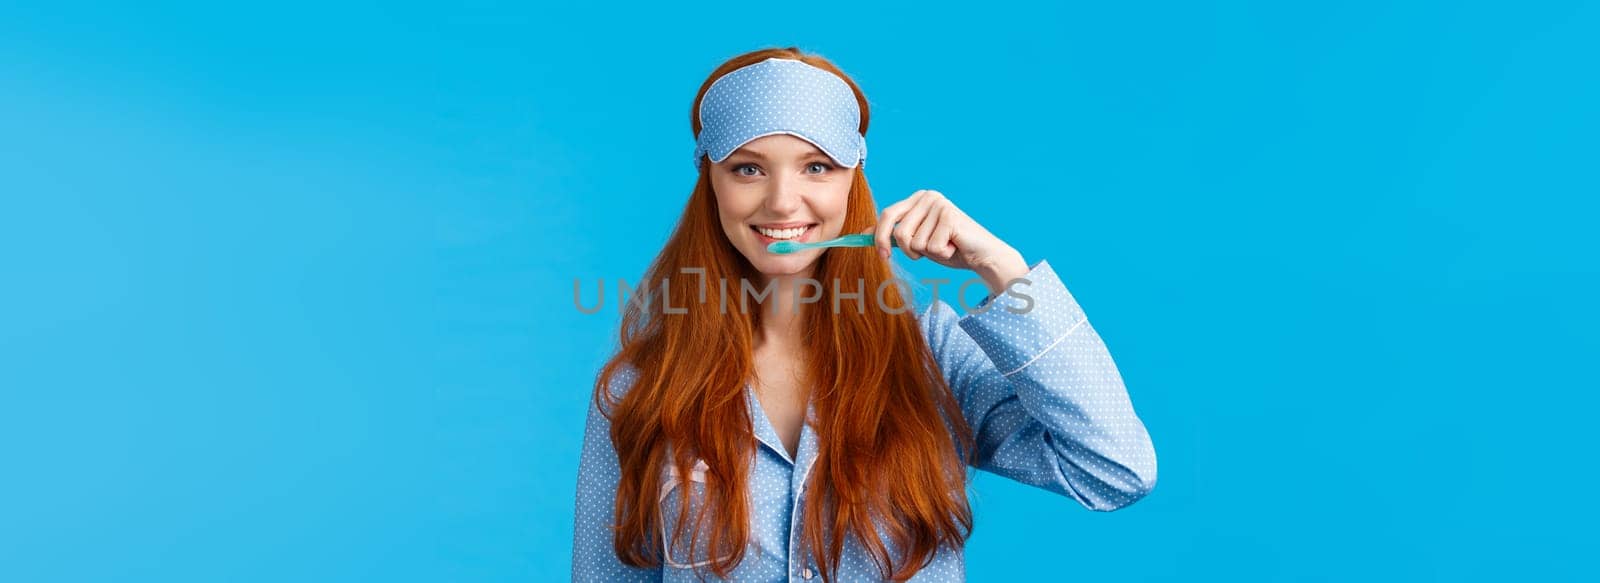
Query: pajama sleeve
column 1042, row 395
column 593, row 557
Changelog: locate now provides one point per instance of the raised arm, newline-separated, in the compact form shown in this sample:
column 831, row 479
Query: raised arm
column 1043, row 396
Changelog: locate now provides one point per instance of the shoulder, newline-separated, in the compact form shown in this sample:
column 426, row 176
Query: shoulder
column 622, row 379
column 937, row 320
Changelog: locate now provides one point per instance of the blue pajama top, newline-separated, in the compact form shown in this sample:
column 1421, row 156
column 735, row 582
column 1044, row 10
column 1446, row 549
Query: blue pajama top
column 1039, row 390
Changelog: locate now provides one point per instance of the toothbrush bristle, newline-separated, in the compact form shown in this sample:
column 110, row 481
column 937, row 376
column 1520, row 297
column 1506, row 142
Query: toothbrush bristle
column 781, row 247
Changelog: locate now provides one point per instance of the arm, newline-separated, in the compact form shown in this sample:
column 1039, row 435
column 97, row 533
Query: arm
column 1044, row 399
column 593, row 556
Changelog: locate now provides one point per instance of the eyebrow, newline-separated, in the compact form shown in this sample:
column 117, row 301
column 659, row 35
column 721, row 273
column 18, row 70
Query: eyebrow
column 761, row 156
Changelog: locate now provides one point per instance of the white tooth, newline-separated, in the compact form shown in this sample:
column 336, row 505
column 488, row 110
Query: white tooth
column 782, row 233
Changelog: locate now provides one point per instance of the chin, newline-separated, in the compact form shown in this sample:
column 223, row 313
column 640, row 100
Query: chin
column 772, row 265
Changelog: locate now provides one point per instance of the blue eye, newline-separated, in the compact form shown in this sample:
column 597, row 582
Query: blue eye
column 739, row 170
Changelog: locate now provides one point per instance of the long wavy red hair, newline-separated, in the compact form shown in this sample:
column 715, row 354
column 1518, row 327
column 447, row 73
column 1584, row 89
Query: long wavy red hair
column 893, row 444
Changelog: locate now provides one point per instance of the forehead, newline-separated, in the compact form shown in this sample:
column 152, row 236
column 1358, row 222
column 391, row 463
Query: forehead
column 777, row 146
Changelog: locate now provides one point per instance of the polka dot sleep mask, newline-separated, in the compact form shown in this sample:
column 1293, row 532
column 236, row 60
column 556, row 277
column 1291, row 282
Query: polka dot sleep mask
column 781, row 96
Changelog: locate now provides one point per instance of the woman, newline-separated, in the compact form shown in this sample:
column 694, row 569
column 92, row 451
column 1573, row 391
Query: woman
column 830, row 438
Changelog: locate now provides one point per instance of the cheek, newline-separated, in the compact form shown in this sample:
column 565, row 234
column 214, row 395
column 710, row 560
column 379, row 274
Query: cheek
column 836, row 204
column 730, row 208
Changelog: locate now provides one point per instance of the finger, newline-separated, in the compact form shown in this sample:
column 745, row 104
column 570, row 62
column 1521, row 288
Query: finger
column 920, row 220
column 920, row 239
column 910, row 223
column 939, row 243
column 886, row 222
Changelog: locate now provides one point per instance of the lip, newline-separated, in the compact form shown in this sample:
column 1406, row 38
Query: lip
column 811, row 228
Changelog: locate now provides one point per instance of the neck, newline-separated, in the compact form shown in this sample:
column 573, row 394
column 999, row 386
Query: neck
column 781, row 325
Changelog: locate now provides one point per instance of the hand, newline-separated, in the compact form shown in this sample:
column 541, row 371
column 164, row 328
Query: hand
column 928, row 224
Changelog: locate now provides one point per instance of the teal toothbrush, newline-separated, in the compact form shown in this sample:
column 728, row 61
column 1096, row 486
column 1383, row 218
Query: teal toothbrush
column 857, row 240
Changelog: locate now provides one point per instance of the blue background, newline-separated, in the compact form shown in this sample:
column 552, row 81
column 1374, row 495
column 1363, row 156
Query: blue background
column 288, row 287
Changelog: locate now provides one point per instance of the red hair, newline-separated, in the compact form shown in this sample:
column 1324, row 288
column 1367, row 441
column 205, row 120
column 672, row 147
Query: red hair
column 893, row 444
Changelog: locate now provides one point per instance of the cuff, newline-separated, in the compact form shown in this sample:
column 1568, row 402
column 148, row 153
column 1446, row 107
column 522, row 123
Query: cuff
column 1019, row 324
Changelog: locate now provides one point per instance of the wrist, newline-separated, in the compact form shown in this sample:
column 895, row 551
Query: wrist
column 1000, row 272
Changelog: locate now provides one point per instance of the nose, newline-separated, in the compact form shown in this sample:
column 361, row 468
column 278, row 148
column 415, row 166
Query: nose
column 785, row 197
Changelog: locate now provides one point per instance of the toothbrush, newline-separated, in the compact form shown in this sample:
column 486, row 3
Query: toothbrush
column 856, row 240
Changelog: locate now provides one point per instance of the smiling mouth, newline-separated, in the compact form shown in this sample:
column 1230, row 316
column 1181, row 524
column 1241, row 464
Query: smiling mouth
column 789, row 234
